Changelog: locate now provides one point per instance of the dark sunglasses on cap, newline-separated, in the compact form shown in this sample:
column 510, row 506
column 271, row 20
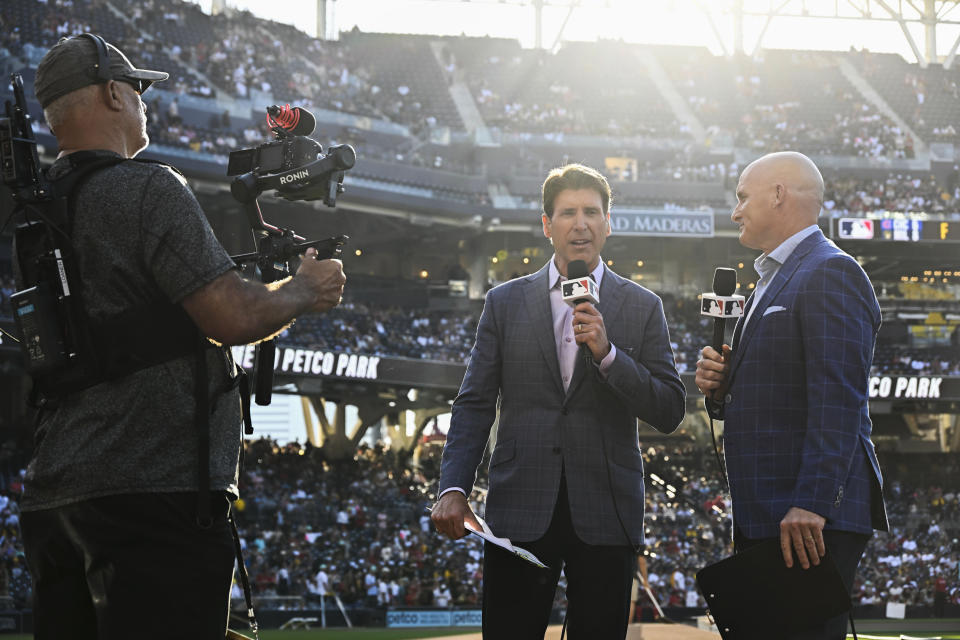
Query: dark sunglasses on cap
column 138, row 85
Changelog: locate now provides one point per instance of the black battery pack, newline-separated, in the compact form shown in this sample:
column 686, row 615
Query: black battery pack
column 35, row 312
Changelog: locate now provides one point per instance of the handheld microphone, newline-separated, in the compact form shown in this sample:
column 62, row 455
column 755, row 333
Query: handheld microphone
column 580, row 287
column 722, row 303
column 296, row 121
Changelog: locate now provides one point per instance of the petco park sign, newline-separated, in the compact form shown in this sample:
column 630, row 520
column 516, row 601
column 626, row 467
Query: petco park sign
column 318, row 363
column 884, row 387
column 292, row 362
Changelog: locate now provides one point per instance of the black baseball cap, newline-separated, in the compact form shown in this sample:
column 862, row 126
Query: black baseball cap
column 74, row 63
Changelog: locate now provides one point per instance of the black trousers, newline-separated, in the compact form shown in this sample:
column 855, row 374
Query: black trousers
column 518, row 597
column 103, row 568
column 846, row 549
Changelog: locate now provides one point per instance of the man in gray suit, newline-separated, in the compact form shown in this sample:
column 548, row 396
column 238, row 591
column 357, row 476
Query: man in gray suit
column 566, row 475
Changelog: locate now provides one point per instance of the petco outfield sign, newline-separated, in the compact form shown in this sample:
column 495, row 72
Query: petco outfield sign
column 293, row 362
column 434, row 618
column 921, row 387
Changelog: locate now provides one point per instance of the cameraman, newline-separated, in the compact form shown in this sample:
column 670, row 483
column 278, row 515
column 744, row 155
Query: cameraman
column 111, row 521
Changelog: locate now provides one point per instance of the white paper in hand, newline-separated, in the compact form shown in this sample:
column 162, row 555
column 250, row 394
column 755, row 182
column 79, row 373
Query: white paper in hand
column 503, row 543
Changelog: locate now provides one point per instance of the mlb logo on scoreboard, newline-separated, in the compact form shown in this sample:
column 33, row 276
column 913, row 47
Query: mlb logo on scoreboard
column 856, row 229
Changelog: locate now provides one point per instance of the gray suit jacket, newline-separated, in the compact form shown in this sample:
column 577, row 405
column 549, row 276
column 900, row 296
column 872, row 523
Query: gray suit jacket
column 542, row 430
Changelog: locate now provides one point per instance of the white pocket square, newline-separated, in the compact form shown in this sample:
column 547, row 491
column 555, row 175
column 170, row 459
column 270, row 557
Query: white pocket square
column 773, row 309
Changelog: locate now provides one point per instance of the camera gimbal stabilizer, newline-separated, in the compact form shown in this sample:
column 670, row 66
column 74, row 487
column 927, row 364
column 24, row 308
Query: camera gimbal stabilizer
column 294, row 166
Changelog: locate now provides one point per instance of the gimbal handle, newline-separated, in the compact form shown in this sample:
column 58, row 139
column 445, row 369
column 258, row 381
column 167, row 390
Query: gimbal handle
column 275, row 248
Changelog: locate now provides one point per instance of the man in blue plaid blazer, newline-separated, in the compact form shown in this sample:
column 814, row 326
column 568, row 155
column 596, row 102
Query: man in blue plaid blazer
column 793, row 389
column 566, row 474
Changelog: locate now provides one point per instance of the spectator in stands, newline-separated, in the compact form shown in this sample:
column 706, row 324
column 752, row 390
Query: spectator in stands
column 137, row 474
column 816, row 459
column 537, row 493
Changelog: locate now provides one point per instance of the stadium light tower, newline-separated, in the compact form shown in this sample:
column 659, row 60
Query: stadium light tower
column 326, row 19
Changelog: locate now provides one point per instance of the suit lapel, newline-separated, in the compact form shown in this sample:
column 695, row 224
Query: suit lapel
column 536, row 295
column 783, row 276
column 611, row 297
column 738, row 330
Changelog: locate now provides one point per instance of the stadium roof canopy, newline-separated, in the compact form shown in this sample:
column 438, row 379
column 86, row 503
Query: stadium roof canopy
column 931, row 14
column 742, row 26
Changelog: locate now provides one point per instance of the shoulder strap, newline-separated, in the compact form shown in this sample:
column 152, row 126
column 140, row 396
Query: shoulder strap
column 132, row 340
column 83, row 165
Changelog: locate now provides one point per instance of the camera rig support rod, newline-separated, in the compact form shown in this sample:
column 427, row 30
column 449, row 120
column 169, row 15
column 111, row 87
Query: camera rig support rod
column 276, row 248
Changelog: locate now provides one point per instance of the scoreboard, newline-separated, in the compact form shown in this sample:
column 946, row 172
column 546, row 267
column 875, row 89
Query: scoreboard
column 897, row 230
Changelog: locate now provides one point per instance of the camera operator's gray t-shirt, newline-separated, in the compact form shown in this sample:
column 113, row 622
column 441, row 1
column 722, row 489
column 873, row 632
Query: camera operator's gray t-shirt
column 141, row 238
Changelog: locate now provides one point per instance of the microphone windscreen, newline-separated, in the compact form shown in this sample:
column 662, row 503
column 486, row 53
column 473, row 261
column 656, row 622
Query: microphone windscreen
column 306, row 124
column 724, row 281
column 577, row 269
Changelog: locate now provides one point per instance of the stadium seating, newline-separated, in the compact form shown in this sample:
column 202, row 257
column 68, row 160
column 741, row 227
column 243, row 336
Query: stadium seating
column 929, row 98
column 362, row 521
column 374, row 531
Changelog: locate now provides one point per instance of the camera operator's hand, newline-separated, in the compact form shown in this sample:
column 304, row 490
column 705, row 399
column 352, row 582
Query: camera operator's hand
column 324, row 278
column 233, row 310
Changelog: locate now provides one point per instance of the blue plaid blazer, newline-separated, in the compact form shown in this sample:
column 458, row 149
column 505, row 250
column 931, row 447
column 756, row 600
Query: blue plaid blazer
column 513, row 372
column 796, row 421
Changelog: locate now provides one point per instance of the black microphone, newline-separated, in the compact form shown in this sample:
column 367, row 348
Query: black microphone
column 296, row 121
column 724, row 284
column 577, row 271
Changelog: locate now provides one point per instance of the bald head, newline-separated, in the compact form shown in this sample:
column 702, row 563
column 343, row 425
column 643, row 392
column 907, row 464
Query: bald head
column 799, row 177
column 777, row 196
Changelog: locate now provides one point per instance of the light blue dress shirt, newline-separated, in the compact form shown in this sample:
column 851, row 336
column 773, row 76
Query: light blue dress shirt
column 768, row 264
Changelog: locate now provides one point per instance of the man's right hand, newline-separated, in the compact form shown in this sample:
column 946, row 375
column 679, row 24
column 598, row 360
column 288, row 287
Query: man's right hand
column 450, row 513
column 323, row 278
column 712, row 371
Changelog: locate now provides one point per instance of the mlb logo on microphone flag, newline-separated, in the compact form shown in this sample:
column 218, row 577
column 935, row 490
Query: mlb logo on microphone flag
column 733, row 308
column 574, row 288
column 716, row 306
column 579, row 290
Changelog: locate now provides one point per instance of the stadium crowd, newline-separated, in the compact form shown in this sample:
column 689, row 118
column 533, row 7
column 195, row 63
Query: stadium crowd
column 234, row 54
column 359, row 530
column 774, row 100
column 920, row 555
column 448, row 336
column 413, row 333
column 849, row 195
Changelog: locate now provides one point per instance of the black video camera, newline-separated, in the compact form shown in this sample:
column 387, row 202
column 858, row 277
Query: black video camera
column 297, row 169
column 293, row 164
column 19, row 163
column 47, row 309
